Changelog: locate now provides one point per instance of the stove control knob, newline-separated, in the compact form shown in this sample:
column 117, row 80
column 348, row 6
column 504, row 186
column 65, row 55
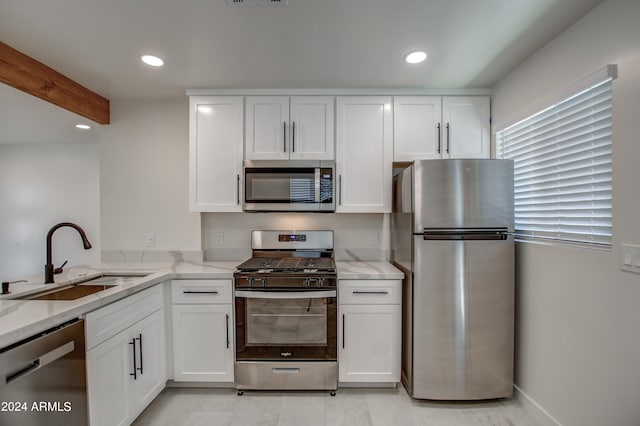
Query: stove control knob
column 264, row 281
column 252, row 282
column 321, row 282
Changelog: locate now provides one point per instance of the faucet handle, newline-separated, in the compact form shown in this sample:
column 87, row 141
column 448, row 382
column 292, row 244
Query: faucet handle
column 58, row 270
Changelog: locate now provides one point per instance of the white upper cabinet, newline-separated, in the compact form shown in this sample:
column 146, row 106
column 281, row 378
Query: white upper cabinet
column 427, row 127
column 215, row 153
column 283, row 128
column 467, row 126
column 417, row 127
column 364, row 152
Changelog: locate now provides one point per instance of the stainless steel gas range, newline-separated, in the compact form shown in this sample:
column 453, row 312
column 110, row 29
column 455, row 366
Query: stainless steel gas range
column 286, row 312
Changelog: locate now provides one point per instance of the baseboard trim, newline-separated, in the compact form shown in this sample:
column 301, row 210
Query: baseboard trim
column 534, row 409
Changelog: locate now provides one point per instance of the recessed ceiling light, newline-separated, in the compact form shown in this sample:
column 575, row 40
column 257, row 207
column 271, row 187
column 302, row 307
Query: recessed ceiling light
column 415, row 57
column 154, row 61
column 83, row 126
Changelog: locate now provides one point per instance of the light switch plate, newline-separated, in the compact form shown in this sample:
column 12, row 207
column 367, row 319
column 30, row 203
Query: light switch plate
column 630, row 258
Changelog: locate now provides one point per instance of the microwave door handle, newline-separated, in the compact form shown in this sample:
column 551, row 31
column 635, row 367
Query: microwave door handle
column 316, row 185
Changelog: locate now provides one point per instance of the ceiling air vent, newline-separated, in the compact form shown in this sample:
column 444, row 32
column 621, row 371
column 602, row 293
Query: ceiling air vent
column 257, row 2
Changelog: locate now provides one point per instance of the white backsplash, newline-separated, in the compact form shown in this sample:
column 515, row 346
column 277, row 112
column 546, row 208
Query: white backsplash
column 227, row 236
column 142, row 256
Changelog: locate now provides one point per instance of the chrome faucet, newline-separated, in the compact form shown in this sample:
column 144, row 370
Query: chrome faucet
column 48, row 268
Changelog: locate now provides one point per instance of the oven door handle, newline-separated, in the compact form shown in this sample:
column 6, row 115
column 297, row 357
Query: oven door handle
column 286, row 294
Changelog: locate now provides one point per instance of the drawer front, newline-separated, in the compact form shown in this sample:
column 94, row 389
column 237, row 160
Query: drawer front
column 201, row 291
column 369, row 292
column 106, row 322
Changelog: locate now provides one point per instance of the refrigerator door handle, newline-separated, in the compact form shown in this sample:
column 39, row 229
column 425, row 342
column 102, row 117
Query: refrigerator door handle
column 446, row 234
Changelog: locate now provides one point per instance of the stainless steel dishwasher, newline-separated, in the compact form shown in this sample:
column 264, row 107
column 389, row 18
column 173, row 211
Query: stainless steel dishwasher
column 43, row 379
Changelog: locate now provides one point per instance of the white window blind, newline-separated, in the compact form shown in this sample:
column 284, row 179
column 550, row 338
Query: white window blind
column 562, row 169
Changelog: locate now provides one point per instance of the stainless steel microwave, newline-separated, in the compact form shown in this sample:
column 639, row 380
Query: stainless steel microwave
column 293, row 186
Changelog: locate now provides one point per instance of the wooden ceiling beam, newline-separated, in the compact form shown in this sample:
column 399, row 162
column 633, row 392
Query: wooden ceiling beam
column 25, row 73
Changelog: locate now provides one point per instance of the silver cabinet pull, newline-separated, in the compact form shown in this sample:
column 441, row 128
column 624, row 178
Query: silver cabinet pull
column 227, row 331
column 199, row 292
column 293, row 136
column 439, row 138
column 284, row 136
column 343, row 331
column 339, row 189
column 369, row 292
column 135, row 367
column 448, row 137
column 139, row 339
column 238, row 189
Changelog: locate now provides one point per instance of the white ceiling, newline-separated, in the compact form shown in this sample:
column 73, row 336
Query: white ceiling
column 307, row 44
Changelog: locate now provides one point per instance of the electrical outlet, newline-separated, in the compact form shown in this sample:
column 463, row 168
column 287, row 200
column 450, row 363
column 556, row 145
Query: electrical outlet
column 374, row 237
column 150, row 238
column 218, row 238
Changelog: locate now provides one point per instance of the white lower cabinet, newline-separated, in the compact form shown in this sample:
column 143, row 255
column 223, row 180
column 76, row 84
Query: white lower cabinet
column 126, row 370
column 369, row 331
column 203, row 337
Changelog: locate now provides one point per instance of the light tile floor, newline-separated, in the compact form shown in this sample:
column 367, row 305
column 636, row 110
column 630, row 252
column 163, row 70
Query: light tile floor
column 350, row 407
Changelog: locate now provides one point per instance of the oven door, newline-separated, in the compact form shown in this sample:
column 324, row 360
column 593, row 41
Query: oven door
column 288, row 186
column 286, row 325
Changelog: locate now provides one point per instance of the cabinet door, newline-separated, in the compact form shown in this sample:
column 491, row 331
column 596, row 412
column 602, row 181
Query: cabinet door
column 108, row 381
column 215, row 153
column 364, row 153
column 203, row 343
column 369, row 343
column 417, row 130
column 467, row 126
column 266, row 126
column 149, row 335
column 312, row 128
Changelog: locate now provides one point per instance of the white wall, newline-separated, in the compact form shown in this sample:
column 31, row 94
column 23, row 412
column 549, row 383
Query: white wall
column 41, row 185
column 578, row 331
column 144, row 177
column 356, row 236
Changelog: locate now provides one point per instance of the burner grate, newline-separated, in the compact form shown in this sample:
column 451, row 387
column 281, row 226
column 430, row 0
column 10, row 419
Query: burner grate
column 290, row 264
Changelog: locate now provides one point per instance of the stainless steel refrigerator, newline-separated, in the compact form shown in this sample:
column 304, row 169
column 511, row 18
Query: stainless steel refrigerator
column 451, row 235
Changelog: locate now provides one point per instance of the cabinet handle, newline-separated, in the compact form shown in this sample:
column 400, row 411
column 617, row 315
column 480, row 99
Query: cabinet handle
column 342, row 331
column 139, row 338
column 227, row 331
column 370, row 292
column 199, row 292
column 448, row 137
column 439, row 138
column 293, row 136
column 340, row 190
column 237, row 189
column 135, row 368
column 284, row 136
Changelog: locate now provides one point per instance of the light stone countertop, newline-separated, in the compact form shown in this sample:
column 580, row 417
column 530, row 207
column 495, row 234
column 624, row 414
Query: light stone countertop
column 20, row 319
column 368, row 270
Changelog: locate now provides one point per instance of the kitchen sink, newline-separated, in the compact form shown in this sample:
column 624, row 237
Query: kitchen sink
column 83, row 288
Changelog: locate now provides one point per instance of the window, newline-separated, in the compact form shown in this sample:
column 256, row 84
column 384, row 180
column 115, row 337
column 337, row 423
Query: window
column 562, row 169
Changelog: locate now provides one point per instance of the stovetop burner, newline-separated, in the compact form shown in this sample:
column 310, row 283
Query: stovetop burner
column 288, row 264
